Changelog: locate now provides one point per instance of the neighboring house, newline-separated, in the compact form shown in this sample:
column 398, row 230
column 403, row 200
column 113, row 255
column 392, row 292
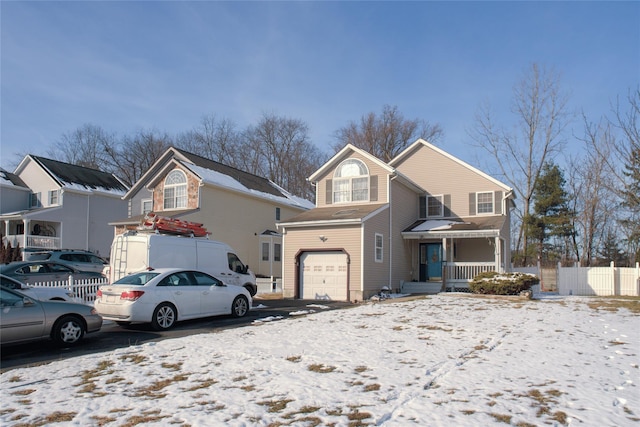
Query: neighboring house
column 236, row 207
column 424, row 221
column 47, row 204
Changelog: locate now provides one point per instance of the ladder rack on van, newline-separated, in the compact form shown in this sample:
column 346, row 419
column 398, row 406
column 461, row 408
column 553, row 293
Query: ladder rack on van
column 167, row 225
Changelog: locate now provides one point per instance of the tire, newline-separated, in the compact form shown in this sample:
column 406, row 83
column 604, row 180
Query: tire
column 164, row 317
column 68, row 330
column 240, row 306
column 251, row 289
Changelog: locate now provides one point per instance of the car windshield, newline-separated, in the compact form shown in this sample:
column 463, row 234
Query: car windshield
column 136, row 278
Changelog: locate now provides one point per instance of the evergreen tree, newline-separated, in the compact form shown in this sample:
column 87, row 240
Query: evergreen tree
column 551, row 217
column 611, row 250
column 631, row 201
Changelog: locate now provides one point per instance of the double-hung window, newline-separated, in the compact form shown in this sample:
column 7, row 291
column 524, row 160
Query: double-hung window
column 351, row 182
column 435, row 207
column 54, row 197
column 175, row 190
column 484, row 202
column 379, row 248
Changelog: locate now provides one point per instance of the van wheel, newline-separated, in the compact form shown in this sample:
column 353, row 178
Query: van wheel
column 252, row 290
column 164, row 317
column 240, row 306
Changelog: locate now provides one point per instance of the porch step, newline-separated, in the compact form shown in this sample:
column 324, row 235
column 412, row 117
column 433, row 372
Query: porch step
column 420, row 287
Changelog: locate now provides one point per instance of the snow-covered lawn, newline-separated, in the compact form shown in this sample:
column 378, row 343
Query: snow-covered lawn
column 446, row 360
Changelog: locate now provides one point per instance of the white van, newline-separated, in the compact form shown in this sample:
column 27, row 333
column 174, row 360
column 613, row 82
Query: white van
column 135, row 251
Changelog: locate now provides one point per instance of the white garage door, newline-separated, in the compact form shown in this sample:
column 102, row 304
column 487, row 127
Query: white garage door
column 324, row 276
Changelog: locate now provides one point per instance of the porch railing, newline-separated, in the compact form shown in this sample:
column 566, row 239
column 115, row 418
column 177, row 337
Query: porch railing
column 464, row 272
column 32, row 241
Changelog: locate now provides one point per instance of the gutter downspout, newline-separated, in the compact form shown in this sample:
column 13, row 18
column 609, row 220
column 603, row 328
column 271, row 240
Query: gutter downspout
column 390, row 239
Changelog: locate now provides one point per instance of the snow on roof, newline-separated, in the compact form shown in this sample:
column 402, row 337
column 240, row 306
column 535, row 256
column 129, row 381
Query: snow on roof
column 80, row 178
column 437, row 224
column 216, row 178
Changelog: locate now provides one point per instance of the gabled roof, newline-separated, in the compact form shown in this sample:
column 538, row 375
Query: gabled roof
column 346, row 152
column 74, row 177
column 421, row 142
column 220, row 175
column 343, row 154
column 11, row 179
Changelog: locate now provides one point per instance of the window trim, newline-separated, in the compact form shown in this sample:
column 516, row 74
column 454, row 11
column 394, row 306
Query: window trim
column 142, row 202
column 54, row 197
column 440, row 198
column 175, row 187
column 493, row 208
column 378, row 249
column 265, row 254
column 35, row 201
column 348, row 181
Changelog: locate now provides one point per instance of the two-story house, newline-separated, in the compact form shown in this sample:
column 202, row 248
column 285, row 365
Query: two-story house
column 236, row 207
column 48, row 204
column 422, row 222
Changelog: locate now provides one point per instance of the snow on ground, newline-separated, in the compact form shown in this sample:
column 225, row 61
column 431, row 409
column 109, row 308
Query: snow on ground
column 446, row 360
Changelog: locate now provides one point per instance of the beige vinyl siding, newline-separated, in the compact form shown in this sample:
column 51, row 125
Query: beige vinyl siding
column 345, row 237
column 439, row 174
column 375, row 274
column 374, row 170
column 474, row 250
column 404, row 212
column 238, row 220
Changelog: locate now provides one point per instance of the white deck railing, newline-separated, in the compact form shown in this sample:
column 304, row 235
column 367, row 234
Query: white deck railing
column 464, row 272
column 31, row 241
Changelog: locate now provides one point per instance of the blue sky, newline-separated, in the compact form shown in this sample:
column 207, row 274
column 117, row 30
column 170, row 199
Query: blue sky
column 138, row 65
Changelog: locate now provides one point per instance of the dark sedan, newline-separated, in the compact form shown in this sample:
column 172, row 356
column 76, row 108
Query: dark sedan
column 24, row 319
column 30, row 272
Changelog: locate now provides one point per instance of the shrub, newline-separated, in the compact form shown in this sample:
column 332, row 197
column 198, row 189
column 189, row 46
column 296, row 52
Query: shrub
column 493, row 283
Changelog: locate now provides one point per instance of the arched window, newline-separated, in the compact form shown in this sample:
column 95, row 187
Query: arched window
column 351, row 182
column 175, row 190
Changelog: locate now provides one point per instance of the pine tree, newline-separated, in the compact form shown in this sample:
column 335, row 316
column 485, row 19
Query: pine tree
column 551, row 217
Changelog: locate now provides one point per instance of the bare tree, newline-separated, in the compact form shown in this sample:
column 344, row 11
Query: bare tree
column 280, row 150
column 133, row 155
column 540, row 111
column 589, row 182
column 386, row 135
column 620, row 159
column 215, row 139
column 84, row 146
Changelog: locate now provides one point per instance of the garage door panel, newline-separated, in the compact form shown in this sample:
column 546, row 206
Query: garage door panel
column 324, row 276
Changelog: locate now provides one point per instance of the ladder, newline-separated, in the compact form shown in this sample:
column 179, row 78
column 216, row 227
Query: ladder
column 120, row 255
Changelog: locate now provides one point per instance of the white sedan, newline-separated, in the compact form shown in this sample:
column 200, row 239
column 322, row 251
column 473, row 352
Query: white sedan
column 164, row 296
column 42, row 293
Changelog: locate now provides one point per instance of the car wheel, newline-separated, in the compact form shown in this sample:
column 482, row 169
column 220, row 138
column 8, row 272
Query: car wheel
column 240, row 306
column 68, row 330
column 164, row 317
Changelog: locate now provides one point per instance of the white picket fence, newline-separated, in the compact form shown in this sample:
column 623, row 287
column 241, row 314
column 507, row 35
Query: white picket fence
column 85, row 290
column 594, row 281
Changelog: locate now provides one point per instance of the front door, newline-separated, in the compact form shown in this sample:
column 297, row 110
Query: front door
column 430, row 261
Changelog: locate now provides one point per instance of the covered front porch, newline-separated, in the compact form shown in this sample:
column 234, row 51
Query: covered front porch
column 447, row 254
column 31, row 235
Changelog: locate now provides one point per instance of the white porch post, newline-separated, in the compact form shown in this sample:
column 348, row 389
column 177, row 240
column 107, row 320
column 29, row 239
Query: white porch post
column 6, row 228
column 26, row 223
column 498, row 254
